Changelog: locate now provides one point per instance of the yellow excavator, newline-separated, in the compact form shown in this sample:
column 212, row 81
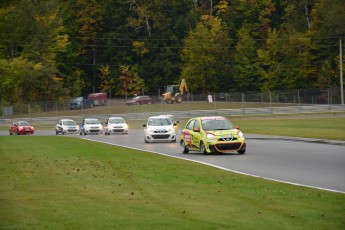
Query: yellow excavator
column 174, row 93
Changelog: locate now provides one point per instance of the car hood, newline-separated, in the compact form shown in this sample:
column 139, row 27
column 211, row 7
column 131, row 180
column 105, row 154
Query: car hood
column 70, row 126
column 119, row 124
column 224, row 132
column 163, row 127
column 95, row 125
column 25, row 126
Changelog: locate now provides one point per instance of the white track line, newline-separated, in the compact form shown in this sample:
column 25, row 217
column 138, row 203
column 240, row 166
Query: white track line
column 222, row 168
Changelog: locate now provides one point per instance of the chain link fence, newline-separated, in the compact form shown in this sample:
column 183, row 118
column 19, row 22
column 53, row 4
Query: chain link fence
column 215, row 101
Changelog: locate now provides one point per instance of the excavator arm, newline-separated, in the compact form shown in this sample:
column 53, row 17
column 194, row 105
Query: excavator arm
column 183, row 86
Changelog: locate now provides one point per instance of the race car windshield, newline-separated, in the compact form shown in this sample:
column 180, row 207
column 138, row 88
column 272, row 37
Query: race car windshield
column 159, row 121
column 92, row 122
column 69, row 123
column 216, row 125
column 23, row 123
column 116, row 121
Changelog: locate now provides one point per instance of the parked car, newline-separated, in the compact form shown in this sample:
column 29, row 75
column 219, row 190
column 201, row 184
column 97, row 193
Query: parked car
column 140, row 100
column 115, row 125
column 21, row 128
column 212, row 134
column 159, row 129
column 66, row 126
column 80, row 103
column 90, row 126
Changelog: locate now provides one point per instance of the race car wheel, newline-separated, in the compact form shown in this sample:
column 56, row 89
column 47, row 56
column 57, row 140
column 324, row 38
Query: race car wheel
column 242, row 151
column 145, row 140
column 202, row 148
column 184, row 148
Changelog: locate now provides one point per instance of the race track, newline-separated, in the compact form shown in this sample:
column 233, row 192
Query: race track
column 311, row 164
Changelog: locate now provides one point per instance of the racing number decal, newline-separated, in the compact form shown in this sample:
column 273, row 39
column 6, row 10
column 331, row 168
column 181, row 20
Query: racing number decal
column 186, row 137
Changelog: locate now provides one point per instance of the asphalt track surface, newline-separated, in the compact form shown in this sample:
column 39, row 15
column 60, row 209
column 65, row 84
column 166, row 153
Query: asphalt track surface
column 306, row 162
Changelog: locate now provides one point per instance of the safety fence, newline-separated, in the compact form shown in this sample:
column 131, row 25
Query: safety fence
column 297, row 101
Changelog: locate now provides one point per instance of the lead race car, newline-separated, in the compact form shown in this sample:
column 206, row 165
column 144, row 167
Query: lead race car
column 211, row 135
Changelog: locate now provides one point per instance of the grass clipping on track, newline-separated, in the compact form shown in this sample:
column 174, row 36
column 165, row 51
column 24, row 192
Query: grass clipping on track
column 68, row 183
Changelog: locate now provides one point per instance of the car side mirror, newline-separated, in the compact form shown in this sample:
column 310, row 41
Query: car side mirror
column 237, row 127
column 196, row 129
column 144, row 125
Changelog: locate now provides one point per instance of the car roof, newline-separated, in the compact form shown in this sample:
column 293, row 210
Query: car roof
column 160, row 116
column 212, row 118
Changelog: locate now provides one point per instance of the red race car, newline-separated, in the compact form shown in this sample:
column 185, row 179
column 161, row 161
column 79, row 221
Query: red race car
column 21, row 128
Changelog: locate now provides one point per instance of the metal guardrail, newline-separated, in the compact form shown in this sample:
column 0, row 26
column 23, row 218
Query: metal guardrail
column 194, row 113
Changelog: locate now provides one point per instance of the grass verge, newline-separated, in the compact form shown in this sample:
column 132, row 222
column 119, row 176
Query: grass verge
column 86, row 185
column 308, row 126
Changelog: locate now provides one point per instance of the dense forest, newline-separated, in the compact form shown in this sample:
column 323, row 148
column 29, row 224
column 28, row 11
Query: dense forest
column 55, row 49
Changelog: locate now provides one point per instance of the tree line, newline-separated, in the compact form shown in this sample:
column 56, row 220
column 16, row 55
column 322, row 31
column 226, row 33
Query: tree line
column 57, row 49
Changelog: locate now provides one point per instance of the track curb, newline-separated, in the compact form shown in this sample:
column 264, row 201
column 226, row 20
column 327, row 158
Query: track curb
column 312, row 140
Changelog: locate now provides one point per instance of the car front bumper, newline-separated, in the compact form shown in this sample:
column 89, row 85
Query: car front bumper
column 160, row 137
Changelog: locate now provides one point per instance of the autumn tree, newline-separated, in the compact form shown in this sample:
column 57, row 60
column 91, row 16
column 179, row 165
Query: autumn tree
column 39, row 78
column 129, row 81
column 205, row 56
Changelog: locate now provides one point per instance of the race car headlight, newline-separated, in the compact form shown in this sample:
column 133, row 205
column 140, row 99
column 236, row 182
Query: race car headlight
column 240, row 134
column 210, row 136
column 171, row 129
column 150, row 130
column 125, row 126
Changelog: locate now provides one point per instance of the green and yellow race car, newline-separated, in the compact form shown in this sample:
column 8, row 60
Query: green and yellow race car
column 213, row 134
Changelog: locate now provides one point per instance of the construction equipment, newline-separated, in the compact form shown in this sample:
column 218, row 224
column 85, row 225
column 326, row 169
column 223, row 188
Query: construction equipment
column 174, row 93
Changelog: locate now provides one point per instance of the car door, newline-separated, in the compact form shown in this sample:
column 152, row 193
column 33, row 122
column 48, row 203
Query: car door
column 59, row 126
column 195, row 134
column 14, row 127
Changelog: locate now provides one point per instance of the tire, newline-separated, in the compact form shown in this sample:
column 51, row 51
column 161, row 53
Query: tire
column 202, row 148
column 178, row 98
column 145, row 140
column 184, row 147
column 242, row 151
column 174, row 141
column 56, row 132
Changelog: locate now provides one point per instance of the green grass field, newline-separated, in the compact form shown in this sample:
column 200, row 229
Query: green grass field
column 308, row 126
column 88, row 185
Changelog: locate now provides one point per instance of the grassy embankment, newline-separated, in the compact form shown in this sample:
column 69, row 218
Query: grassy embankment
column 88, row 185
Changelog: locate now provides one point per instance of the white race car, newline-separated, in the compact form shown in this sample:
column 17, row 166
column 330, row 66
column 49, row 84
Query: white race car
column 115, row 125
column 91, row 126
column 66, row 126
column 159, row 129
